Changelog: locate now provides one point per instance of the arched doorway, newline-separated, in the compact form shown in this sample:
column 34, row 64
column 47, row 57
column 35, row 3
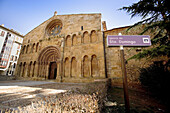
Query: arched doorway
column 52, row 70
column 48, row 60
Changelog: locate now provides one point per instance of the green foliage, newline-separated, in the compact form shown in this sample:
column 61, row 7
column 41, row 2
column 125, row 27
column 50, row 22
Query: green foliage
column 155, row 16
column 153, row 52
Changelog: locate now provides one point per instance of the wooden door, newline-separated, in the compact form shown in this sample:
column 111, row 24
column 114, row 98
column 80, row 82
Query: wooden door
column 52, row 70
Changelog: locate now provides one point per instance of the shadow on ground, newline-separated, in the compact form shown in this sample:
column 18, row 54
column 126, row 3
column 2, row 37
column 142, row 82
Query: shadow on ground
column 140, row 101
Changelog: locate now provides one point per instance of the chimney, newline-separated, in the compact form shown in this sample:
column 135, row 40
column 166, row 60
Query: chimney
column 104, row 25
column 2, row 25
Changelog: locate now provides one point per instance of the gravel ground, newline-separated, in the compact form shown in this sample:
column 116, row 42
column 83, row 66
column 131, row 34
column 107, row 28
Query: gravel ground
column 15, row 94
column 23, row 83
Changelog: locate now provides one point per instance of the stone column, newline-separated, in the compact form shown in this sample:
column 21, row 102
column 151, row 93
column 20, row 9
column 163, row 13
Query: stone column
column 45, row 66
column 17, row 70
column 42, row 70
column 62, row 60
column 78, row 69
column 20, row 71
column 90, row 68
column 39, row 69
column 36, row 70
column 21, row 74
column 47, row 70
column 58, row 70
column 31, row 69
column 70, row 68
column 82, row 68
column 25, row 49
column 63, row 69
column 25, row 70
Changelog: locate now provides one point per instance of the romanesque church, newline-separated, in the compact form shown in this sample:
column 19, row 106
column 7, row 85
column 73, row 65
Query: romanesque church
column 73, row 48
column 64, row 48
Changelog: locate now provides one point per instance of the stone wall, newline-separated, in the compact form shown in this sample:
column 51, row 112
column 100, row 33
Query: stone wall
column 77, row 49
column 113, row 60
column 5, row 77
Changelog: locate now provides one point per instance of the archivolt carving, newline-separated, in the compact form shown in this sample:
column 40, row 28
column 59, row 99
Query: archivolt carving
column 50, row 53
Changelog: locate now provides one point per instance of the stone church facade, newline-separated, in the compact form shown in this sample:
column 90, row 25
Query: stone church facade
column 73, row 48
column 66, row 48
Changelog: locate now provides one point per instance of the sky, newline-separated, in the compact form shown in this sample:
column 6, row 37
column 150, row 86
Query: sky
column 25, row 15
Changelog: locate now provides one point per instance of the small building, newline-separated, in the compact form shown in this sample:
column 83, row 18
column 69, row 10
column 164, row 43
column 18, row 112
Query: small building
column 10, row 45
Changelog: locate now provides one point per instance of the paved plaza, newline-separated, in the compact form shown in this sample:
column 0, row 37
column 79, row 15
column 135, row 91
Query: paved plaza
column 21, row 93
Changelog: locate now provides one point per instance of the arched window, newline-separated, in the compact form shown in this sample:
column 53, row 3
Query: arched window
column 93, row 36
column 27, row 49
column 33, row 48
column 23, row 50
column 74, row 40
column 94, row 66
column 33, row 69
column 86, row 70
column 23, row 70
column 73, row 67
column 29, row 69
column 68, row 41
column 67, row 67
column 20, row 69
column 37, row 46
column 86, row 38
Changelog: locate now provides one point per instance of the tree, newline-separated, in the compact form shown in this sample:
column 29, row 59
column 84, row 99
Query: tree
column 155, row 16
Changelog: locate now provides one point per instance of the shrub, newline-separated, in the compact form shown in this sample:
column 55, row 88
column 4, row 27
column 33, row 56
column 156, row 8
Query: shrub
column 157, row 79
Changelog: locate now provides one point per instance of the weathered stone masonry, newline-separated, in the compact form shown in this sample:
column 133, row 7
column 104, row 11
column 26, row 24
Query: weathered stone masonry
column 67, row 47
column 72, row 48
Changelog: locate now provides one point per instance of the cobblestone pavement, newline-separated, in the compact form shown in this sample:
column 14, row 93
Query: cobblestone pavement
column 21, row 93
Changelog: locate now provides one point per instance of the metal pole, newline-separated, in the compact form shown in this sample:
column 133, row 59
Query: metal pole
column 124, row 77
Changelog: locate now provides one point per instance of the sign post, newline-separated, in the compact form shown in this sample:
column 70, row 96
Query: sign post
column 124, row 77
column 127, row 40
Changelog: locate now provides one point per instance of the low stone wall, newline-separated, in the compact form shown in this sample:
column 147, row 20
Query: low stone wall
column 5, row 77
column 64, row 79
